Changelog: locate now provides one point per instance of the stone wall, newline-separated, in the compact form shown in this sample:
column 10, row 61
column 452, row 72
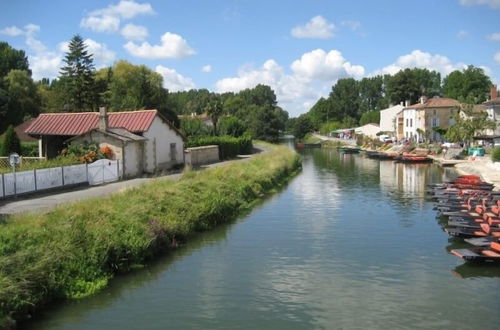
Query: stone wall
column 202, row 155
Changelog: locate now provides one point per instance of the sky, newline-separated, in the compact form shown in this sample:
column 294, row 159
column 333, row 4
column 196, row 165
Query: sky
column 299, row 48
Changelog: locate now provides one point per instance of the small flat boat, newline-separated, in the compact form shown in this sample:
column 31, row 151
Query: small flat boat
column 350, row 150
column 490, row 254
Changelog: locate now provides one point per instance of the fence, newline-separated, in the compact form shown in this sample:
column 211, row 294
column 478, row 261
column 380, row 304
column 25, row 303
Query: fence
column 101, row 171
column 4, row 161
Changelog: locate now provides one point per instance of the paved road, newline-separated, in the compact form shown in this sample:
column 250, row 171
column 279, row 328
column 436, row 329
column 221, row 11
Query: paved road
column 46, row 201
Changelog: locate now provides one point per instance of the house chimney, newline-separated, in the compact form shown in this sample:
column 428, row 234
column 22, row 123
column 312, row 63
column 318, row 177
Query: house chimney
column 423, row 99
column 103, row 119
column 493, row 92
column 401, row 103
column 407, row 103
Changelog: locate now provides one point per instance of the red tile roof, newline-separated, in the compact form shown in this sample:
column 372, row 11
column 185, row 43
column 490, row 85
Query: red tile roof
column 81, row 122
column 20, row 131
column 435, row 102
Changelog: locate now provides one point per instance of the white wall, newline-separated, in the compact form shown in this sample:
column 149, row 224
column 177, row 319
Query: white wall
column 132, row 162
column 410, row 116
column 369, row 130
column 158, row 154
column 202, row 155
column 388, row 117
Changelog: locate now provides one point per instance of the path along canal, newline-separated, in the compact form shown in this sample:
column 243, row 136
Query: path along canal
column 350, row 243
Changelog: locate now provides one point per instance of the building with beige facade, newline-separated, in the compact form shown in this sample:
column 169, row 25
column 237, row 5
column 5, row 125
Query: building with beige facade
column 417, row 122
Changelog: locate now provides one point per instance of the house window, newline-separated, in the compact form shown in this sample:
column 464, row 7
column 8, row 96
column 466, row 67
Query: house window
column 411, row 122
column 406, row 122
column 434, row 111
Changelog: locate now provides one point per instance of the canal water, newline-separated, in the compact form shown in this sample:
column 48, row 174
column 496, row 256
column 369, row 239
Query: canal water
column 350, row 243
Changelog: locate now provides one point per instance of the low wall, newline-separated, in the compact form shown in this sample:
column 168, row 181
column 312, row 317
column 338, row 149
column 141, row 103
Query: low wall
column 23, row 182
column 201, row 155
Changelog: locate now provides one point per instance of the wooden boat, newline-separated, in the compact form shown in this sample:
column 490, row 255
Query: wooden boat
column 312, row 145
column 349, row 150
column 490, row 254
column 413, row 159
column 482, row 241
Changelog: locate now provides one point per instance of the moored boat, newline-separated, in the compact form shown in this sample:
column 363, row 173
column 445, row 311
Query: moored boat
column 489, row 254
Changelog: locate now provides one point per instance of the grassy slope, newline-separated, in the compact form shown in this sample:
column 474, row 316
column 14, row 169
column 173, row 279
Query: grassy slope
column 75, row 249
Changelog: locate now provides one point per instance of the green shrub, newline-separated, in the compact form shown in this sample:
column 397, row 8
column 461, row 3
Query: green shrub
column 73, row 250
column 229, row 147
column 495, row 154
column 29, row 149
column 11, row 142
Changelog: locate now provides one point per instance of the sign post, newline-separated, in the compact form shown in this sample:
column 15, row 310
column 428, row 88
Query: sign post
column 14, row 161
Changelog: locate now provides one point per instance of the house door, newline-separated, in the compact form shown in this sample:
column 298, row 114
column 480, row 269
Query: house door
column 173, row 152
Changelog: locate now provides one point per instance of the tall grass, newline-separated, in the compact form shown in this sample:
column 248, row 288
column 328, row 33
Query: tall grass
column 75, row 249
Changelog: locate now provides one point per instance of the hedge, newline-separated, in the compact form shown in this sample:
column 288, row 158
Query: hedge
column 229, row 147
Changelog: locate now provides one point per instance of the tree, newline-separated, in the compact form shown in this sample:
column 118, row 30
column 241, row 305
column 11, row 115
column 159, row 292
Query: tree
column 12, row 59
column 11, row 142
column 232, row 126
column 411, row 84
column 345, row 99
column 303, row 125
column 467, row 126
column 215, row 110
column 370, row 117
column 77, row 76
column 468, row 86
column 193, row 127
column 321, row 112
column 19, row 99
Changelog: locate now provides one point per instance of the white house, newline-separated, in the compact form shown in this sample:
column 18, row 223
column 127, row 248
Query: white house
column 388, row 118
column 369, row 130
column 492, row 108
column 143, row 139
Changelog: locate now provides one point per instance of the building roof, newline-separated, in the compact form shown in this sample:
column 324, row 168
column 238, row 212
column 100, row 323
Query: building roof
column 78, row 123
column 436, row 102
column 117, row 133
column 20, row 131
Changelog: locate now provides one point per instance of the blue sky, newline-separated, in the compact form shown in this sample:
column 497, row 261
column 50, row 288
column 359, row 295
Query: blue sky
column 299, row 48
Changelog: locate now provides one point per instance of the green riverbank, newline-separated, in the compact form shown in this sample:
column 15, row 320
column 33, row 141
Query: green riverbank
column 74, row 250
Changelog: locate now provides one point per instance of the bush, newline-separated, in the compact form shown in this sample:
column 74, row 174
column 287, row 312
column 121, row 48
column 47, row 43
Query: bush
column 29, row 149
column 229, row 147
column 495, row 154
column 11, row 142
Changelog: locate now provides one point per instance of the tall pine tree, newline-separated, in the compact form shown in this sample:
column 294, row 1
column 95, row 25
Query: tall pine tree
column 77, row 76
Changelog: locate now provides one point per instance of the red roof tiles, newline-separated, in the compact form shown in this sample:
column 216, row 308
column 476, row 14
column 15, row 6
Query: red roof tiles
column 81, row 122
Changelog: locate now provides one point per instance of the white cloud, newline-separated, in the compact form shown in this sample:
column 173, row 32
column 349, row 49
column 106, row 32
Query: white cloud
column 101, row 23
column 423, row 60
column 320, row 65
column 172, row 46
column 100, row 51
column 108, row 19
column 45, row 65
column 12, row 31
column 492, row 3
column 462, row 34
column 299, row 90
column 174, row 81
column 353, row 25
column 497, row 57
column 206, row 68
column 134, row 32
column 317, row 28
column 494, row 36
column 31, row 30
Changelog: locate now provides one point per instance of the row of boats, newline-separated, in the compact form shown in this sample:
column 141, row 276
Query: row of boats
column 472, row 211
column 404, row 157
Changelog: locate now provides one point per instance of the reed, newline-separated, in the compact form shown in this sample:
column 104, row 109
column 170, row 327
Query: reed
column 74, row 250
